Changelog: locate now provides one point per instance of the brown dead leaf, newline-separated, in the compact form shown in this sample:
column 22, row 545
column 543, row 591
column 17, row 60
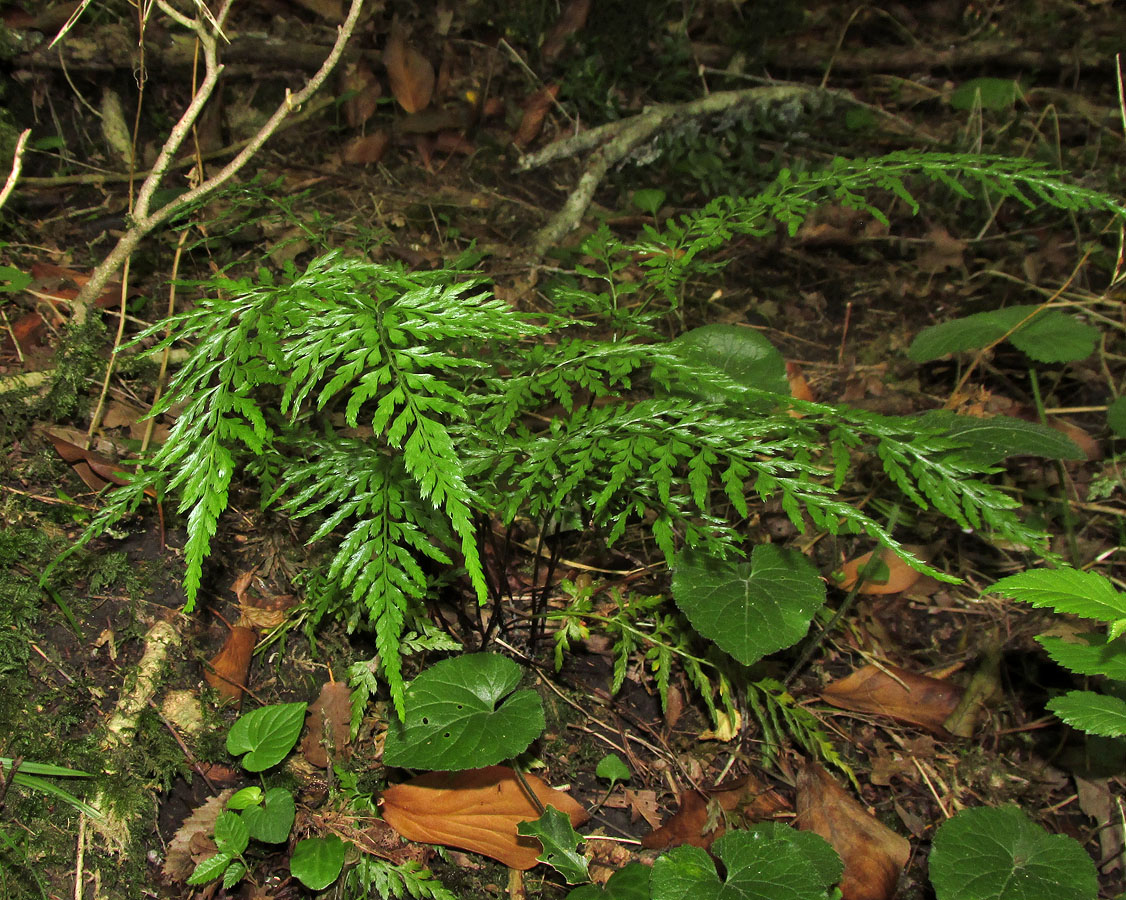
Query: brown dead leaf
column 410, row 73
column 535, row 110
column 799, row 386
column 95, row 470
column 365, row 149
column 698, row 821
column 230, row 666
column 360, row 82
column 643, row 805
column 873, row 854
column 331, row 11
column 179, row 862
column 476, row 810
column 571, row 20
column 900, row 576
column 944, row 251
column 329, row 726
column 897, row 693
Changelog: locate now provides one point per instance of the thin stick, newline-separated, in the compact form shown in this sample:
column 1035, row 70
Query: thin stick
column 17, row 166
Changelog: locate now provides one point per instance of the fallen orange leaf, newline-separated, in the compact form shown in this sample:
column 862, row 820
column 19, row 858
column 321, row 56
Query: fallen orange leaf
column 231, row 664
column 535, row 110
column 476, row 810
column 329, row 725
column 747, row 799
column 410, row 73
column 900, row 576
column 873, row 854
column 901, row 694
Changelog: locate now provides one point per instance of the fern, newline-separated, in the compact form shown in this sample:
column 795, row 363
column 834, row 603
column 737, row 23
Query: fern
column 394, row 410
column 793, row 196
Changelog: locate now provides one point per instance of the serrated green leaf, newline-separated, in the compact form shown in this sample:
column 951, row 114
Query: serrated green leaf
column 209, row 869
column 1096, row 655
column 988, row 93
column 316, row 862
column 1045, row 335
column 231, row 834
column 749, row 609
column 234, row 874
column 988, row 441
column 1001, row 854
column 559, row 839
column 464, row 713
column 768, row 862
column 1116, row 416
column 612, row 768
column 1093, row 713
column 1086, row 594
column 272, row 821
column 266, row 735
column 628, row 883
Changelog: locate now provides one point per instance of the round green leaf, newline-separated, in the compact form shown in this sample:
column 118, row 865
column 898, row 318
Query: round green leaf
column 1001, row 854
column 742, row 354
column 456, row 720
column 266, row 735
column 769, row 862
column 749, row 609
column 1055, row 337
column 612, row 768
column 1116, row 416
column 271, row 821
column 247, row 797
column 988, row 93
column 316, row 862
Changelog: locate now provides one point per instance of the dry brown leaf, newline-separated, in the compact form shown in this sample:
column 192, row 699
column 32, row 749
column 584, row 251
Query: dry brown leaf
column 365, row 149
column 330, row 10
column 328, row 722
column 476, row 810
column 359, row 80
column 535, row 110
column 230, row 666
column 898, row 693
column 944, row 251
column 900, row 575
column 799, row 386
column 179, row 862
column 643, row 805
column 873, row 854
column 410, row 73
column 692, row 824
column 571, row 20
column 95, row 470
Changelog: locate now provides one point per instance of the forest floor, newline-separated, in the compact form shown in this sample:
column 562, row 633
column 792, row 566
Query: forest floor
column 842, row 299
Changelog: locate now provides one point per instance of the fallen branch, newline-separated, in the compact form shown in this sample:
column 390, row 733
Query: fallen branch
column 613, row 142
column 146, row 220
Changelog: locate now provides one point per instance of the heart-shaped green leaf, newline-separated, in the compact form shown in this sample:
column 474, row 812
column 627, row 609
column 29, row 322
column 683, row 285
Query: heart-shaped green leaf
column 316, row 862
column 769, row 862
column 1001, row 854
column 749, row 609
column 629, row 883
column 266, row 735
column 271, row 821
column 559, row 839
column 456, row 720
column 612, row 769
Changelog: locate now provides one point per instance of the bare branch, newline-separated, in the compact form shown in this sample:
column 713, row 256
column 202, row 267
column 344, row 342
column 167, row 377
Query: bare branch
column 17, row 167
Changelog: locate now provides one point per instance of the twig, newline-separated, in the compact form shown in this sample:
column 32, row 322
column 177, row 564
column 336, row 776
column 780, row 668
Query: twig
column 17, row 167
column 144, row 220
column 616, row 140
